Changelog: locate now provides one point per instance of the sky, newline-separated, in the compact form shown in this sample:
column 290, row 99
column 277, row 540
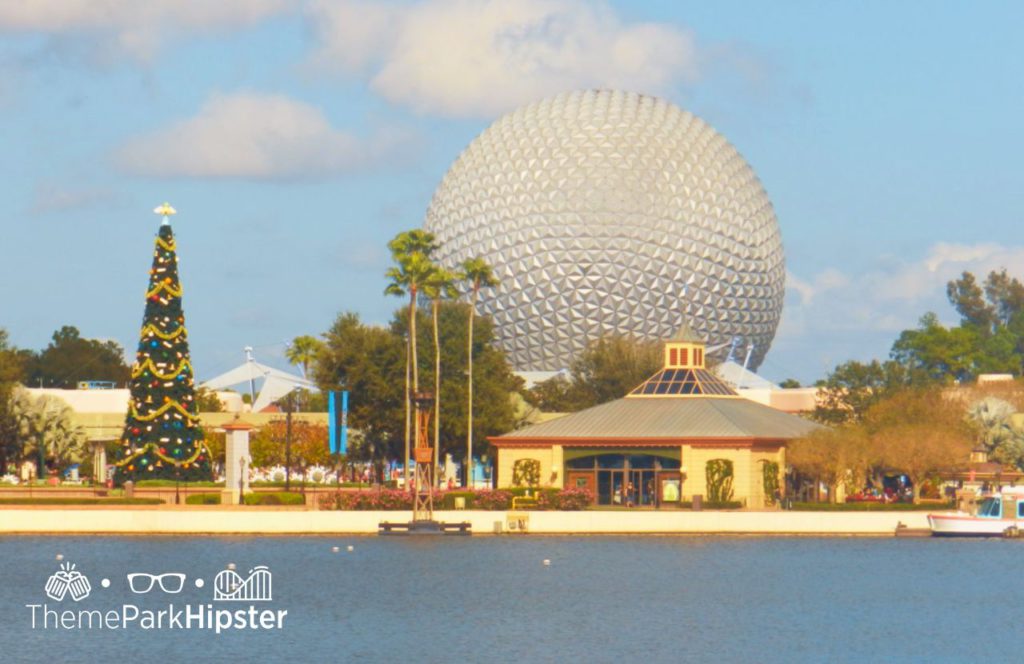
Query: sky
column 296, row 137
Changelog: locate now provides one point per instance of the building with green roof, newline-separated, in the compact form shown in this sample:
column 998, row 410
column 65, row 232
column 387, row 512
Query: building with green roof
column 654, row 446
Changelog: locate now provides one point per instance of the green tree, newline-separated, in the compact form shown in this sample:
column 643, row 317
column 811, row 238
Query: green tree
column 838, row 455
column 853, row 387
column 162, row 436
column 920, row 432
column 608, row 369
column 480, row 275
column 968, row 298
column 1003, row 442
column 439, row 284
column 303, row 352
column 46, row 426
column 368, row 362
column 11, row 367
column 411, row 252
column 789, row 383
column 70, row 358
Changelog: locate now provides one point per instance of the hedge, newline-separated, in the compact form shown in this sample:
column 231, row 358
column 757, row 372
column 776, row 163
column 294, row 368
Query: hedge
column 276, row 498
column 79, row 501
column 869, row 507
column 203, row 499
column 485, row 499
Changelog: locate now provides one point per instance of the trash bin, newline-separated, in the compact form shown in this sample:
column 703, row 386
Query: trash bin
column 698, row 502
column 460, row 502
column 129, row 489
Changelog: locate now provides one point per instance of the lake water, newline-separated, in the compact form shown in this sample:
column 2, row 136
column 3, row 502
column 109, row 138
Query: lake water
column 491, row 599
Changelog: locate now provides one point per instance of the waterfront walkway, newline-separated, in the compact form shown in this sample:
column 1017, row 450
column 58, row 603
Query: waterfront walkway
column 285, row 521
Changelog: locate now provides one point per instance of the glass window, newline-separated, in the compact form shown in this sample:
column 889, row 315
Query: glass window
column 611, row 461
column 641, row 461
column 583, row 463
column 668, row 464
column 991, row 507
column 1020, row 509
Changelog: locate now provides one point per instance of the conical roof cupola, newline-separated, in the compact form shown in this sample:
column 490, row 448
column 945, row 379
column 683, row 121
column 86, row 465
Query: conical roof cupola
column 683, row 373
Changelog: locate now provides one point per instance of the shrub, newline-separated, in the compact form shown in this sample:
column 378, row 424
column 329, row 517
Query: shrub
column 719, row 480
column 571, row 499
column 492, row 499
column 526, row 472
column 203, row 499
column 80, row 501
column 386, row 499
column 868, row 507
column 447, row 500
column 276, row 498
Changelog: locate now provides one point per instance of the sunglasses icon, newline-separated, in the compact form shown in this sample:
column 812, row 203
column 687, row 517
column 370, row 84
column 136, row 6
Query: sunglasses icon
column 141, row 583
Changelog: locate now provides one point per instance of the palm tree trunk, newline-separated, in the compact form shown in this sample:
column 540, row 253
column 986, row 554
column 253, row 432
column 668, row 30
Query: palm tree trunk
column 437, row 390
column 468, row 475
column 408, row 415
column 414, row 361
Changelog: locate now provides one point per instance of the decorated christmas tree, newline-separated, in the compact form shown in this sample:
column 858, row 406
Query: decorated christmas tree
column 162, row 437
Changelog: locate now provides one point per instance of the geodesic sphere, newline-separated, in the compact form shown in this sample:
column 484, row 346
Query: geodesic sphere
column 607, row 212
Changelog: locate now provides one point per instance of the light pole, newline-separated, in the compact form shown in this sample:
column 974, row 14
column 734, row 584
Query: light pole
column 288, row 441
column 177, row 483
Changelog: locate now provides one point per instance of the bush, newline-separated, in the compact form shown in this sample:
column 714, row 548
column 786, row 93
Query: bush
column 567, row 499
column 276, row 498
column 709, row 505
column 385, row 499
column 869, row 507
column 167, row 483
column 80, row 501
column 492, row 499
column 203, row 499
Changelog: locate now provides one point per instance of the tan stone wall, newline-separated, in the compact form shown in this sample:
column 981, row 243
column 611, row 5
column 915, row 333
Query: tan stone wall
column 757, row 497
column 265, row 521
column 507, row 458
column 747, row 481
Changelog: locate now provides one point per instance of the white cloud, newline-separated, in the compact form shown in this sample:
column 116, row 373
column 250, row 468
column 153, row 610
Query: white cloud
column 894, row 296
column 50, row 197
column 254, row 136
column 482, row 57
column 832, row 317
column 136, row 28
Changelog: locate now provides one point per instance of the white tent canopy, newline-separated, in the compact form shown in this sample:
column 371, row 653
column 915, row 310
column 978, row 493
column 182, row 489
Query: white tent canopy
column 276, row 383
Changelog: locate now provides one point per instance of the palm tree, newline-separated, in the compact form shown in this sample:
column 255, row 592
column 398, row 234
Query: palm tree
column 439, row 284
column 46, row 424
column 303, row 351
column 480, row 275
column 411, row 251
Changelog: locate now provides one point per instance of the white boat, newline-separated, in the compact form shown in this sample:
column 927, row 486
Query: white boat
column 998, row 515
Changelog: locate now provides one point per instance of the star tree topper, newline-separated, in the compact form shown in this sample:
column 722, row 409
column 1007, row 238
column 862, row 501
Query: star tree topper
column 166, row 211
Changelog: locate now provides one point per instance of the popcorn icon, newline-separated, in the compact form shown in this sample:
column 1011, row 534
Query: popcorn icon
column 68, row 580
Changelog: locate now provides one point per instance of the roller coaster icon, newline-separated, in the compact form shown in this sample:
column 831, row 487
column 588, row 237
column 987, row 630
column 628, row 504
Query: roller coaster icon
column 229, row 586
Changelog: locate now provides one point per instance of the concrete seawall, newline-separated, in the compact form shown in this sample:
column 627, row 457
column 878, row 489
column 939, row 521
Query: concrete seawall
column 270, row 521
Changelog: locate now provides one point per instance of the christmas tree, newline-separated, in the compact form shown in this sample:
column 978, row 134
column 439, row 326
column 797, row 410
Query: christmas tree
column 162, row 438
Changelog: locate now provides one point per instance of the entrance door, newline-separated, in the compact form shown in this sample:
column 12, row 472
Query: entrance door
column 610, row 487
column 643, row 487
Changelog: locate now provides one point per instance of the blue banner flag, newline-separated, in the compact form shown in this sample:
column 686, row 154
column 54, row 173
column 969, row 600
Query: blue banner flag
column 338, row 421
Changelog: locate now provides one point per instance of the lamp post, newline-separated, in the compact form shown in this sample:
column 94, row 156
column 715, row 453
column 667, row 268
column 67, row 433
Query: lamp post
column 288, row 441
column 177, row 483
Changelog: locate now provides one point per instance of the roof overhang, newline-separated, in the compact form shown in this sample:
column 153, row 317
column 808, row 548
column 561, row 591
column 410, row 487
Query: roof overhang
column 760, row 443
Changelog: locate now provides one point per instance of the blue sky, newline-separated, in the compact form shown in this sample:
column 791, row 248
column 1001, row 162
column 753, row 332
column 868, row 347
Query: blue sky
column 296, row 138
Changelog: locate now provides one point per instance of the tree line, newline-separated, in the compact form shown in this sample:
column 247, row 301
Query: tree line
column 903, row 415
